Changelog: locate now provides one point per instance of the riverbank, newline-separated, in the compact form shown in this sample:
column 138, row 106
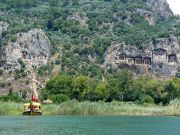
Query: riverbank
column 94, row 108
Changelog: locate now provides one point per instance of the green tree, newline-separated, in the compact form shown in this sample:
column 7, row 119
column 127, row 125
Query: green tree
column 75, row 2
column 58, row 98
column 101, row 91
column 81, row 87
column 53, row 3
column 61, row 84
column 125, row 81
column 114, row 89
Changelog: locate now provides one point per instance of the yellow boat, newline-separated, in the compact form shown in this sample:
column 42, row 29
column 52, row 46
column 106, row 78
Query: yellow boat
column 33, row 108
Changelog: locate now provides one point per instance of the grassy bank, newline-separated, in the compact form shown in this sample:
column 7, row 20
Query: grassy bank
column 113, row 108
column 93, row 108
column 11, row 108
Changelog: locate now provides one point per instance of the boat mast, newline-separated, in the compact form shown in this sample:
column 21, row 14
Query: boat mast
column 33, row 82
column 34, row 88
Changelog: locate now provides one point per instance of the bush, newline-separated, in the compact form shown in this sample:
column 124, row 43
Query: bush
column 23, row 65
column 175, row 102
column 13, row 98
column 2, row 84
column 14, row 38
column 44, row 70
column 148, row 99
column 59, row 98
column 1, row 71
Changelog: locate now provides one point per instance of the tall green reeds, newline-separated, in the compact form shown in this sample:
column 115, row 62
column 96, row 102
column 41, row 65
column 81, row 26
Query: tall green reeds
column 114, row 108
column 11, row 108
column 74, row 107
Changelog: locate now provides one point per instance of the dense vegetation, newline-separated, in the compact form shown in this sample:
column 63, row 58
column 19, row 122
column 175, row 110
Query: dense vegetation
column 14, row 98
column 11, row 97
column 75, row 107
column 121, row 87
column 82, row 30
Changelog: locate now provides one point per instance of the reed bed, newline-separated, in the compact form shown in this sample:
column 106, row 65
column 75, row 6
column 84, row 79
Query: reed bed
column 11, row 108
column 113, row 108
column 74, row 107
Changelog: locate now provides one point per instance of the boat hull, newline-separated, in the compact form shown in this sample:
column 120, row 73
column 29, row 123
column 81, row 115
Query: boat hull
column 32, row 113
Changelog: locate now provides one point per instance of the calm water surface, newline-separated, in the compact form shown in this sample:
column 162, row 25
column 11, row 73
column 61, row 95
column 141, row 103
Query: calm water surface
column 89, row 125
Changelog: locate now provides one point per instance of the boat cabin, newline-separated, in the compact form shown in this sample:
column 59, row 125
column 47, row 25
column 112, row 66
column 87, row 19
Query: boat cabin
column 33, row 108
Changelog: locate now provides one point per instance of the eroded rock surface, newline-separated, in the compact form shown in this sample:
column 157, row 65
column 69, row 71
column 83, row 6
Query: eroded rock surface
column 148, row 16
column 82, row 18
column 160, row 9
column 31, row 47
column 160, row 57
column 3, row 27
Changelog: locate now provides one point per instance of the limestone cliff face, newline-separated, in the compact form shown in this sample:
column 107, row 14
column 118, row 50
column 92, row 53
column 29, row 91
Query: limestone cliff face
column 148, row 16
column 160, row 8
column 160, row 57
column 3, row 27
column 82, row 18
column 31, row 47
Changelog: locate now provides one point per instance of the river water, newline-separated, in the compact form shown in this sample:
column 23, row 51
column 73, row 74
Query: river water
column 89, row 125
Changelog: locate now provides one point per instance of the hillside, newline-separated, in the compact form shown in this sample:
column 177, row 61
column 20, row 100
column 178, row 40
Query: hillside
column 95, row 38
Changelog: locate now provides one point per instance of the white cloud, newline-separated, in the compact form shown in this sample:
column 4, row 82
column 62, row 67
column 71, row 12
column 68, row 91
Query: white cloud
column 175, row 6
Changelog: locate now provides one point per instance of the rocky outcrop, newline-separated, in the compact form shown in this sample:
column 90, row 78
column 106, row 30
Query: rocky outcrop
column 160, row 9
column 31, row 47
column 82, row 18
column 148, row 16
column 160, row 57
column 3, row 27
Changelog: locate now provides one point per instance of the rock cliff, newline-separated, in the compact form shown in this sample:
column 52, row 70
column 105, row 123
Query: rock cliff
column 160, row 8
column 160, row 57
column 3, row 27
column 148, row 16
column 31, row 47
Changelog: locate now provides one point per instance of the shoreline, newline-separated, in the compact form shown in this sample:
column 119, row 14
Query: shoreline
column 114, row 108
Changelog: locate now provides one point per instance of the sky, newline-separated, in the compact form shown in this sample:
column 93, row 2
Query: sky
column 175, row 6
